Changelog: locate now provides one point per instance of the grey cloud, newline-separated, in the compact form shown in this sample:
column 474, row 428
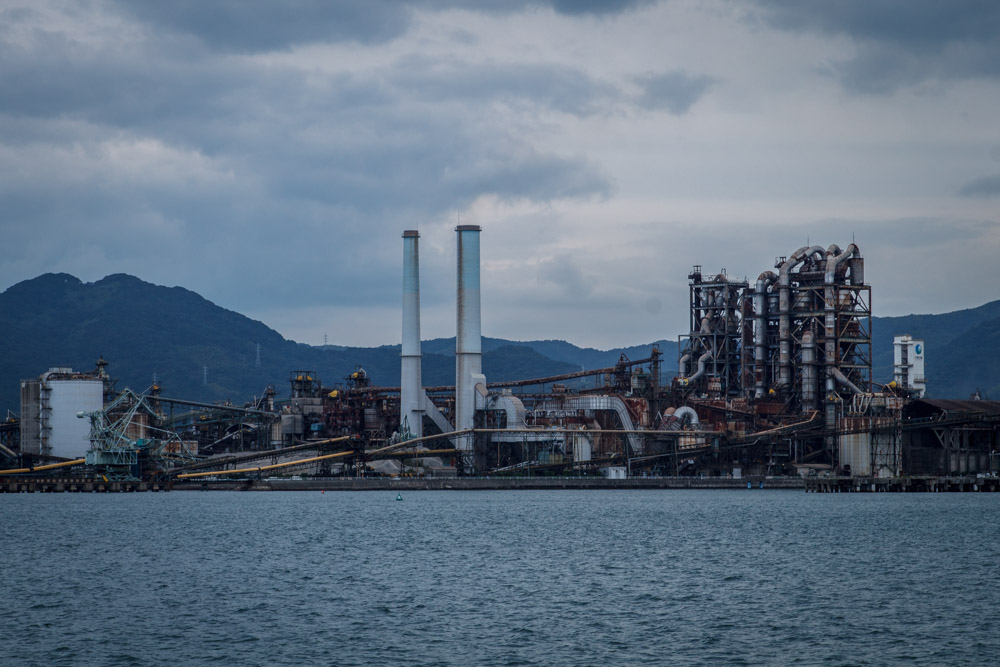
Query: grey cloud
column 310, row 171
column 123, row 93
column 563, row 272
column 568, row 7
column 598, row 6
column 425, row 163
column 266, row 25
column 350, row 140
column 533, row 176
column 911, row 22
column 982, row 187
column 879, row 68
column 555, row 86
column 674, row 91
column 900, row 42
column 905, row 233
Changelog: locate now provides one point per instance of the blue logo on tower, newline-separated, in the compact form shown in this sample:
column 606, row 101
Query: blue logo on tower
column 919, row 349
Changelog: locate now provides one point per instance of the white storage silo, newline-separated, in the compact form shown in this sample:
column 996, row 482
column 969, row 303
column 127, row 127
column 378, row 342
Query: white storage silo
column 51, row 404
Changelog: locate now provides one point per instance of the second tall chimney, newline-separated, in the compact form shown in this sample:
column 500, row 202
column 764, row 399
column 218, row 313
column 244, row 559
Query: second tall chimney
column 410, row 390
column 468, row 335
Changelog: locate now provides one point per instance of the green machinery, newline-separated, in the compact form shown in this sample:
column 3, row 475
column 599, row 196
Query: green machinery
column 129, row 443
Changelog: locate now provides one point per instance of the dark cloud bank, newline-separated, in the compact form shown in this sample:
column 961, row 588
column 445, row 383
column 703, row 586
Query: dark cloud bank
column 900, row 42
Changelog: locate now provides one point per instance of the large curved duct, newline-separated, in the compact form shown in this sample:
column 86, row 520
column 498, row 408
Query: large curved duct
column 688, row 412
column 702, row 360
column 682, row 366
column 606, row 403
column 834, row 258
column 836, row 374
column 512, row 406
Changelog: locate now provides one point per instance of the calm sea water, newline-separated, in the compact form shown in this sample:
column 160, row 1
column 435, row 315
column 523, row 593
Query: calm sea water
column 500, row 578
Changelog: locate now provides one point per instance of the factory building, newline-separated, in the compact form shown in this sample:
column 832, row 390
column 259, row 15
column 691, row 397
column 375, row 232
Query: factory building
column 908, row 365
column 774, row 377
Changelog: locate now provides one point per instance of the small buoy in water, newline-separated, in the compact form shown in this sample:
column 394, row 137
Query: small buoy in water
column 399, row 496
column 322, row 492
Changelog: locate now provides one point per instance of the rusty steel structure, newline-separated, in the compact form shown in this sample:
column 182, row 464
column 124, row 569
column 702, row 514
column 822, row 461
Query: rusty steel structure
column 711, row 357
column 796, row 343
column 801, row 336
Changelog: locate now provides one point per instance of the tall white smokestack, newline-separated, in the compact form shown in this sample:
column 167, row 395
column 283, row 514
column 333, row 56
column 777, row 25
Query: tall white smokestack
column 468, row 337
column 410, row 390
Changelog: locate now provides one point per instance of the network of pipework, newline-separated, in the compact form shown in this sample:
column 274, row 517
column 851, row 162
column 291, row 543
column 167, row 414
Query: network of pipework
column 475, row 405
column 799, row 337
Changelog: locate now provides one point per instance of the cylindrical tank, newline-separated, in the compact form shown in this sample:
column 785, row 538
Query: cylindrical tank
column 857, row 265
column 66, row 434
column 802, row 300
column 808, row 372
column 582, row 448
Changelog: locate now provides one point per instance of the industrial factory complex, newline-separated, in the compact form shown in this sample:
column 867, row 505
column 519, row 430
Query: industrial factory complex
column 773, row 382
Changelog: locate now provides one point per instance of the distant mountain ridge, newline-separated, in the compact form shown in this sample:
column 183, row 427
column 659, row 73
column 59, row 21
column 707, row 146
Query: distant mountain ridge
column 142, row 329
column 962, row 349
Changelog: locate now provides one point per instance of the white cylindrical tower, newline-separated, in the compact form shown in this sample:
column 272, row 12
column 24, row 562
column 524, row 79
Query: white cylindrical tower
column 468, row 336
column 410, row 407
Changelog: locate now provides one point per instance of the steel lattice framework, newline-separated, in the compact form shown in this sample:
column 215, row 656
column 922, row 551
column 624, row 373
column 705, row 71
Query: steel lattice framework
column 128, row 430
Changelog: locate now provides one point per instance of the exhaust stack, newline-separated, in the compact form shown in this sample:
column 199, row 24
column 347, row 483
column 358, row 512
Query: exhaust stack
column 410, row 390
column 468, row 335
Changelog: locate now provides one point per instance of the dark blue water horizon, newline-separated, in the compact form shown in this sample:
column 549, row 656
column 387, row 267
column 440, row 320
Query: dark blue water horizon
column 500, row 578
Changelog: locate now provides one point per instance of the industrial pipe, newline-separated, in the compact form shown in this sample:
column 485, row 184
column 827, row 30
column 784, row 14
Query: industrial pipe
column 836, row 374
column 701, row 367
column 686, row 411
column 514, row 383
column 784, row 322
column 834, row 258
column 210, row 473
column 808, row 372
column 50, row 466
column 784, row 307
column 682, row 365
column 696, row 344
column 764, row 282
column 512, row 406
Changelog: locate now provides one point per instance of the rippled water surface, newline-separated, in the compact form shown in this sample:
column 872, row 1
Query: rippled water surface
column 500, row 578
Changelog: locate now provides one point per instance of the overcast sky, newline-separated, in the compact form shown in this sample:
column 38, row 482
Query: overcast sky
column 268, row 155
